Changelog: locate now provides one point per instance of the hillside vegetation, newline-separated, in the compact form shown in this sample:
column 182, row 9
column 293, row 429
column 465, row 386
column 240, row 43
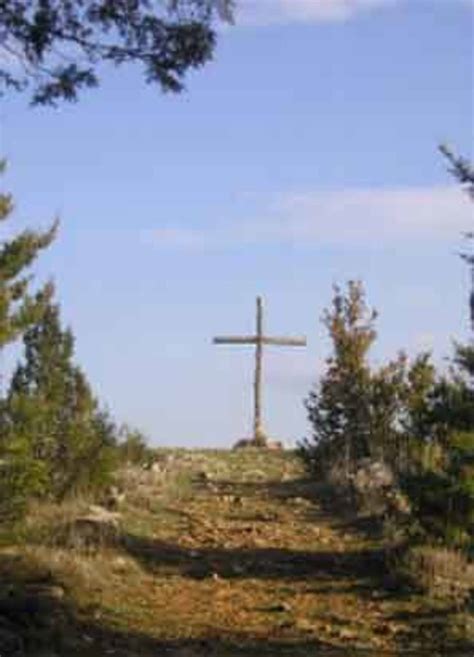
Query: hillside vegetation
column 214, row 553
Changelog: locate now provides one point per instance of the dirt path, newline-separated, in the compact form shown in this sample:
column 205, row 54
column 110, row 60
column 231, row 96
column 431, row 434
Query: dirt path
column 228, row 554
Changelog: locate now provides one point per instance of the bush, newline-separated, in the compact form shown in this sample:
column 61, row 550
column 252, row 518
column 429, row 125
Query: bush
column 440, row 572
column 443, row 499
column 21, row 478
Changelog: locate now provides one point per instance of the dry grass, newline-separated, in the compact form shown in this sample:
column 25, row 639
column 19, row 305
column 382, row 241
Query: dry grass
column 146, row 488
column 45, row 521
column 441, row 572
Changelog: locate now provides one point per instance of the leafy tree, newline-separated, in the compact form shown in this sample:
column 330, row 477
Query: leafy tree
column 19, row 308
column 52, row 423
column 56, row 46
column 339, row 407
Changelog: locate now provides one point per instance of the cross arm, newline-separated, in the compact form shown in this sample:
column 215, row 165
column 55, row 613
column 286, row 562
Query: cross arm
column 289, row 342
column 236, row 339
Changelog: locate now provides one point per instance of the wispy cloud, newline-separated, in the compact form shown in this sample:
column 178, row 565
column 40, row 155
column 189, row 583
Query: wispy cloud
column 351, row 217
column 267, row 12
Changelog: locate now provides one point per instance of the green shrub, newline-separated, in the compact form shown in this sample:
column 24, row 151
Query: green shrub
column 443, row 499
column 21, row 478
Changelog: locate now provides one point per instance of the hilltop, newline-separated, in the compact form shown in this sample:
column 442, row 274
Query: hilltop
column 213, row 553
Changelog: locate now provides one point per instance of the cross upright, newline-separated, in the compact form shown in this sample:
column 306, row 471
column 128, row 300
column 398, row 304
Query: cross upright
column 259, row 339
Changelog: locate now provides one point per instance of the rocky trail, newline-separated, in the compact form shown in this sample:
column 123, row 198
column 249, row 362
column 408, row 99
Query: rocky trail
column 224, row 554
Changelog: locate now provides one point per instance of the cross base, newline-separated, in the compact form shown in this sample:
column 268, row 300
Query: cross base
column 260, row 438
column 259, row 441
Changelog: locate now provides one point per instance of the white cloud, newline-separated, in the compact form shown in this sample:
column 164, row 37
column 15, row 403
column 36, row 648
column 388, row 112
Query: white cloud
column 270, row 12
column 349, row 217
column 265, row 12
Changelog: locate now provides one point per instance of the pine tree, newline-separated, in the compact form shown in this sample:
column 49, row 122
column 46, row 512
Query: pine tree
column 463, row 171
column 19, row 308
column 441, row 483
column 57, row 47
column 461, row 168
column 53, row 414
column 339, row 407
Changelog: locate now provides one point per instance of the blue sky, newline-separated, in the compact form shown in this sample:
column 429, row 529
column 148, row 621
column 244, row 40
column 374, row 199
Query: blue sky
column 304, row 155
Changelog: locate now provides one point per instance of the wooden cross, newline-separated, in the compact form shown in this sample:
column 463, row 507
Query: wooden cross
column 259, row 339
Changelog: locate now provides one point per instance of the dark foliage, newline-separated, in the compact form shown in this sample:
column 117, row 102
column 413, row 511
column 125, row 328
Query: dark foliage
column 460, row 167
column 463, row 171
column 19, row 307
column 56, row 440
column 443, row 499
column 56, row 46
